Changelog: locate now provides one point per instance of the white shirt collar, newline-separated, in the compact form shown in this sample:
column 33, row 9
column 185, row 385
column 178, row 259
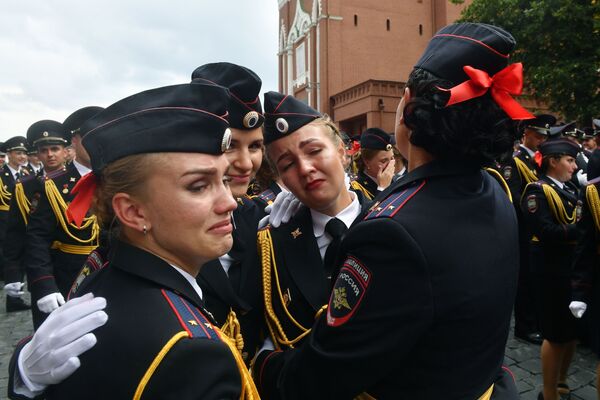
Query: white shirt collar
column 559, row 184
column 347, row 216
column 82, row 169
column 531, row 152
column 13, row 171
column 190, row 279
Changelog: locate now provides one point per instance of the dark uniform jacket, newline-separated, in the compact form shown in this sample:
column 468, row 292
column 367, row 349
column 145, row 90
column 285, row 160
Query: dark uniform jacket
column 422, row 304
column 239, row 291
column 26, row 197
column 296, row 284
column 51, row 267
column 7, row 187
column 267, row 196
column 586, row 263
column 154, row 316
column 554, row 237
column 368, row 184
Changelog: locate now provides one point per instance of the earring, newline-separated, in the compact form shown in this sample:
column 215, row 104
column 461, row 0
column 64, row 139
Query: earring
column 145, row 230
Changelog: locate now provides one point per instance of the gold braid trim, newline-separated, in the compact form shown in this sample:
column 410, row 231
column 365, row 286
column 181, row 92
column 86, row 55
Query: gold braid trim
column 496, row 175
column 265, row 247
column 357, row 186
column 5, row 197
column 232, row 330
column 60, row 207
column 557, row 207
column 524, row 171
column 591, row 194
column 22, row 201
column 249, row 391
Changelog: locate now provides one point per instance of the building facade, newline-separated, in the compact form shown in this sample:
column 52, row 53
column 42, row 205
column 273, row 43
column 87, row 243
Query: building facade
column 351, row 58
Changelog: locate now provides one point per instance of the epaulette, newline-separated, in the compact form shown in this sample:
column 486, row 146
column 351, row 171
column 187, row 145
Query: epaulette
column 388, row 207
column 267, row 196
column 357, row 187
column 26, row 178
column 190, row 318
column 57, row 173
column 593, row 181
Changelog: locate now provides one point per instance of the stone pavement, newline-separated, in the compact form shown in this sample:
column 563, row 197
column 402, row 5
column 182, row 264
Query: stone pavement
column 522, row 358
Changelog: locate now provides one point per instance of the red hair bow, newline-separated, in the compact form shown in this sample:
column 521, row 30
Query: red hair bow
column 354, row 149
column 537, row 157
column 502, row 85
column 84, row 190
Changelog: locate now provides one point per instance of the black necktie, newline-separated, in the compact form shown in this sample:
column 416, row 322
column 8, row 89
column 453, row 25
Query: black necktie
column 336, row 229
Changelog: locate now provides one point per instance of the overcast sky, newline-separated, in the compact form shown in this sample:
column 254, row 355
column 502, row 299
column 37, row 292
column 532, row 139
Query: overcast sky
column 60, row 55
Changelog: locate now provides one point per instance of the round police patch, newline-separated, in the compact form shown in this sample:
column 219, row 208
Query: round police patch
column 532, row 204
column 578, row 210
column 348, row 291
column 507, row 172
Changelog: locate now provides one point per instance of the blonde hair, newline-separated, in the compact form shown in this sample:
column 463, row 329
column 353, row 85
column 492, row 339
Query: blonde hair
column 126, row 175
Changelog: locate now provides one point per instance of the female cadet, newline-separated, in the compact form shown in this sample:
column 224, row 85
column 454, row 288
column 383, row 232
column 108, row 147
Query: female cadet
column 307, row 152
column 159, row 170
column 231, row 283
column 425, row 279
column 585, row 280
column 548, row 207
column 375, row 163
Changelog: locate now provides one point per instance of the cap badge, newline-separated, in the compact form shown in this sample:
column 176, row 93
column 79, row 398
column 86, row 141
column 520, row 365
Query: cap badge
column 250, row 119
column 45, row 134
column 388, row 147
column 282, row 125
column 226, row 142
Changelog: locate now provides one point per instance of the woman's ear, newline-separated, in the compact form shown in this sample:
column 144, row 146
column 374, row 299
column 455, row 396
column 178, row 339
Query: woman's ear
column 130, row 212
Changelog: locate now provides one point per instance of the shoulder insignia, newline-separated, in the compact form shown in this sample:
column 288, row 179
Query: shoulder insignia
column 267, row 196
column 56, row 174
column 532, row 204
column 296, row 233
column 395, row 201
column 348, row 291
column 507, row 172
column 189, row 316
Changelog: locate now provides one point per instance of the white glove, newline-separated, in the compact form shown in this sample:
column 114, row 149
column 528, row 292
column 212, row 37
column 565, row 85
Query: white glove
column 582, row 177
column 284, row 207
column 50, row 302
column 14, row 289
column 577, row 308
column 52, row 354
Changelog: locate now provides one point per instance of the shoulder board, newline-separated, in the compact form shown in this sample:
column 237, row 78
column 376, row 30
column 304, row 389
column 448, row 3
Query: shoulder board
column 245, row 200
column 26, row 178
column 190, row 317
column 56, row 174
column 267, row 195
column 594, row 181
column 395, row 201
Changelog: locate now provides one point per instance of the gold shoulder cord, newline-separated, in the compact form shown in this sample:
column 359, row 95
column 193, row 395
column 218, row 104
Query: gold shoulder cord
column 265, row 247
column 591, row 194
column 557, row 207
column 232, row 330
column 22, row 201
column 357, row 186
column 524, row 171
column 5, row 197
column 496, row 175
column 59, row 207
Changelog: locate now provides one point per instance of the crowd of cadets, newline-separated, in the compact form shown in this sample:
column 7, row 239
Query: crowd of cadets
column 275, row 290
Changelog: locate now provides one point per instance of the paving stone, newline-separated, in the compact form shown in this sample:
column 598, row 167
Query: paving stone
column 534, row 366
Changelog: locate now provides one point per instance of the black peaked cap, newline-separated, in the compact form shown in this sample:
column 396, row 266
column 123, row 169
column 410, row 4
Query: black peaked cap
column 15, row 143
column 559, row 146
column 541, row 123
column 284, row 114
column 481, row 46
column 48, row 132
column 563, row 130
column 188, row 118
column 74, row 121
column 245, row 109
column 376, row 139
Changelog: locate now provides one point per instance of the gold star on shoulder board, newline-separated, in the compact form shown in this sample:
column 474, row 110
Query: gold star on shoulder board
column 192, row 322
column 72, row 179
column 392, row 207
column 373, row 206
column 379, row 208
column 209, row 326
column 296, row 233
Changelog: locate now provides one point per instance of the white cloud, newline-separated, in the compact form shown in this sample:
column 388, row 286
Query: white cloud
column 60, row 55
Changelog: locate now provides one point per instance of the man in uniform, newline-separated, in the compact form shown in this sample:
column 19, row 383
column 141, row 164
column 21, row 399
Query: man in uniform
column 518, row 172
column 16, row 151
column 57, row 249
column 50, row 138
column 2, row 156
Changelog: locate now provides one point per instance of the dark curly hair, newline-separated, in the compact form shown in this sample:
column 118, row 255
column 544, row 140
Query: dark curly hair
column 475, row 132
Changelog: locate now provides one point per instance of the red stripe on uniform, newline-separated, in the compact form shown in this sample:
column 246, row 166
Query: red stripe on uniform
column 176, row 312
column 408, row 198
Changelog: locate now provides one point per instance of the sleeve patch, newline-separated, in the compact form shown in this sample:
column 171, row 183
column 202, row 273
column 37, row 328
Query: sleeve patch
column 532, row 204
column 349, row 289
column 579, row 210
column 507, row 172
